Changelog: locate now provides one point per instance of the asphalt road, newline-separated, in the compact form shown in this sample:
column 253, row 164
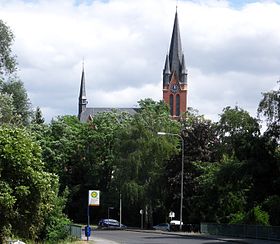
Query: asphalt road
column 129, row 237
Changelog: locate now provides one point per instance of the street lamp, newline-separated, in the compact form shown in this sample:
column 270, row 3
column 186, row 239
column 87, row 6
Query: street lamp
column 182, row 173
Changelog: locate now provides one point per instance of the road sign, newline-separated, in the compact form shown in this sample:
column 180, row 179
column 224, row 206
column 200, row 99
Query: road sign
column 93, row 198
column 171, row 214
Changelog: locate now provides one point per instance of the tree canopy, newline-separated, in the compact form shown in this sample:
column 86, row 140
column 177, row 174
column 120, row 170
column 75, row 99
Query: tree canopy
column 7, row 59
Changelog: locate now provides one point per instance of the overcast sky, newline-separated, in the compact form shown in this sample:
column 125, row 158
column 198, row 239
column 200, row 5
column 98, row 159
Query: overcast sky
column 232, row 51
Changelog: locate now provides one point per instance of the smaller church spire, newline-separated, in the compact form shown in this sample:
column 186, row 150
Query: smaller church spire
column 82, row 96
column 184, row 73
column 166, row 71
column 83, row 85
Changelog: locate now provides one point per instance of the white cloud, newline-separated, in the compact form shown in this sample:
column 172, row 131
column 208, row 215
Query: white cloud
column 233, row 54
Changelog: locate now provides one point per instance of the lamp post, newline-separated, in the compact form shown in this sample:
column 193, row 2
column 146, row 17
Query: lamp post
column 120, row 210
column 182, row 173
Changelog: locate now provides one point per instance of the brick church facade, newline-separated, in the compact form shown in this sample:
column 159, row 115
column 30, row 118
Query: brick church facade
column 174, row 83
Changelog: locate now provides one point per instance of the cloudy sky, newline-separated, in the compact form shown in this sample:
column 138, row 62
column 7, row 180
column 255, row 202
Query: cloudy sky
column 232, row 51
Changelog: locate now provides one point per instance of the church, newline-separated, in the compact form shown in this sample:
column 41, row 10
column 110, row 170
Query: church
column 174, row 83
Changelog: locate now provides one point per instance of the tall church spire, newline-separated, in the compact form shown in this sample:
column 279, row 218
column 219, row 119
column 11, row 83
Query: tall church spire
column 82, row 96
column 175, row 51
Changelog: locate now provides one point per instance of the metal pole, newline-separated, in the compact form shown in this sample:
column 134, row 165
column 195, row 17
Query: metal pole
column 182, row 184
column 108, row 212
column 120, row 210
column 88, row 222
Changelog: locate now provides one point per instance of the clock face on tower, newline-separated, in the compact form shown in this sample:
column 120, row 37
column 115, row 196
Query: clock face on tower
column 174, row 88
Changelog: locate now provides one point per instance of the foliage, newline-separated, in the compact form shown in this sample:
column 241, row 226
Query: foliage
column 142, row 158
column 200, row 137
column 6, row 109
column 236, row 130
column 222, row 190
column 200, row 145
column 57, row 222
column 28, row 193
column 38, row 117
column 272, row 206
column 269, row 107
column 237, row 218
column 256, row 216
column 7, row 59
column 20, row 102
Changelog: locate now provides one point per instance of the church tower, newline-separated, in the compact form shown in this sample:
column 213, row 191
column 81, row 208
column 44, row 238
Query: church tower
column 175, row 75
column 82, row 97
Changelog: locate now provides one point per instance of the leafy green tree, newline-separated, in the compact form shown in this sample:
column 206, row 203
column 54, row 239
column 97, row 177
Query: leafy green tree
column 28, row 194
column 9, row 82
column 200, row 137
column 237, row 130
column 200, row 141
column 272, row 206
column 21, row 103
column 7, row 59
column 222, row 190
column 142, row 158
column 256, row 216
column 269, row 107
column 6, row 109
column 38, row 117
column 82, row 154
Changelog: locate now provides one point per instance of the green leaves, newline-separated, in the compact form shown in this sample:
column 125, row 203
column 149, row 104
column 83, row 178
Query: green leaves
column 7, row 59
column 27, row 192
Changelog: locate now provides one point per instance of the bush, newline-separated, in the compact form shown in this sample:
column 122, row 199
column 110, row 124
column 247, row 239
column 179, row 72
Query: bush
column 237, row 218
column 272, row 206
column 256, row 216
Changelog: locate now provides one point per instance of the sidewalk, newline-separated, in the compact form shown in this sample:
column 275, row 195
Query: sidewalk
column 96, row 240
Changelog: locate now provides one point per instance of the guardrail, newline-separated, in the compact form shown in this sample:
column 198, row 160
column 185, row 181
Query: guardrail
column 75, row 230
column 245, row 231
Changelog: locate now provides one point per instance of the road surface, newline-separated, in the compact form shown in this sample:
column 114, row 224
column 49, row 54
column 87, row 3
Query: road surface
column 131, row 237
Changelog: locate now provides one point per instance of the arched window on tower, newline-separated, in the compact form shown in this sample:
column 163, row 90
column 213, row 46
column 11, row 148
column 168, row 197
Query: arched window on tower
column 177, row 105
column 171, row 104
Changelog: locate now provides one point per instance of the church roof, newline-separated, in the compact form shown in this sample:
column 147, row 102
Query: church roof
column 91, row 112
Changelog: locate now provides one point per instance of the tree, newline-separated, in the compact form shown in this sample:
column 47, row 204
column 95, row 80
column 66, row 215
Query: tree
column 9, row 82
column 269, row 107
column 142, row 158
column 6, row 109
column 28, row 194
column 38, row 117
column 201, row 143
column 222, row 189
column 21, row 103
column 7, row 59
column 236, row 131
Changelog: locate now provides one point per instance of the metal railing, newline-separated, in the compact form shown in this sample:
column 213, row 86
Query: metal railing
column 245, row 231
column 75, row 230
